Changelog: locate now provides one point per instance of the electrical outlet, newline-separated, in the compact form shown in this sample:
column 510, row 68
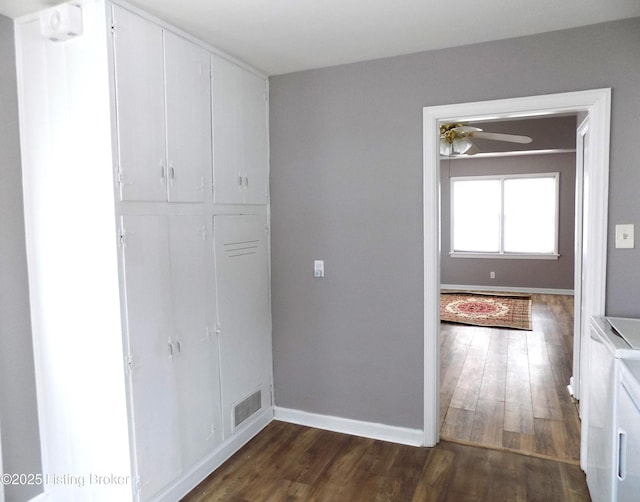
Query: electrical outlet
column 492, row 275
column 318, row 268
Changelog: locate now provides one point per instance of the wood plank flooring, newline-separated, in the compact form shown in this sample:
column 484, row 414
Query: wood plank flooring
column 506, row 388
column 502, row 389
column 288, row 462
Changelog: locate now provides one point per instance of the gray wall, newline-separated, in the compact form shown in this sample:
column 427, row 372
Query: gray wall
column 548, row 274
column 346, row 186
column 18, row 412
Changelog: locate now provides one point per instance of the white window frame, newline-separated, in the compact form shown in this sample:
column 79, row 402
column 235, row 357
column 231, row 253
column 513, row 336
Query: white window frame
column 501, row 254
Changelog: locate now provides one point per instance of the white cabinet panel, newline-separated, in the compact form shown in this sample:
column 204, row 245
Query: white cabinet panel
column 188, row 118
column 241, row 154
column 174, row 374
column 254, row 138
column 163, row 112
column 243, row 310
column 194, row 317
column 152, row 382
column 227, row 166
column 139, row 87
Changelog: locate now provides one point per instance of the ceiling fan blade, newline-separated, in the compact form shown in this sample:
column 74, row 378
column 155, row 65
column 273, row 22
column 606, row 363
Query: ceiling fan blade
column 473, row 150
column 466, row 129
column 512, row 138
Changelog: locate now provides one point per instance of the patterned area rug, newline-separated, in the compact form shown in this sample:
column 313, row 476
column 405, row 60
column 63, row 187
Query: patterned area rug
column 501, row 311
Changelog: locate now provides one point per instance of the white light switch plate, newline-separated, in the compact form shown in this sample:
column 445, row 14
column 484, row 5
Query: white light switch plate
column 624, row 236
column 318, row 268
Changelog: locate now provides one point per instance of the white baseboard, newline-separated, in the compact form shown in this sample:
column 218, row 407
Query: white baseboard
column 220, row 455
column 402, row 435
column 507, row 289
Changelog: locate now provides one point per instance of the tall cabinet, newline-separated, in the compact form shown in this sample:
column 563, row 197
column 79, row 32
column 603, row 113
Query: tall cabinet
column 145, row 173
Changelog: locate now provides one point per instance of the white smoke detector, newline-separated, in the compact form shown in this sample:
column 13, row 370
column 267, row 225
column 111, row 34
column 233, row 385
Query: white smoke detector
column 62, row 22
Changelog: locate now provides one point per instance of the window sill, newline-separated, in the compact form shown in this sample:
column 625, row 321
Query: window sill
column 505, row 256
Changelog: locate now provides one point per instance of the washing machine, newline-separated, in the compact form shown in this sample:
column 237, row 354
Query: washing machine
column 612, row 340
column 627, row 430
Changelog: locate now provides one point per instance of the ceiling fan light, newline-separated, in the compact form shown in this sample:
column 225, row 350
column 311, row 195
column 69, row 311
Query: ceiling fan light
column 446, row 148
column 461, row 145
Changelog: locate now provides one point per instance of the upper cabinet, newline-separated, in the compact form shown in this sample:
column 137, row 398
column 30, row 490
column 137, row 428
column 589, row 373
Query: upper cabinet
column 240, row 138
column 187, row 87
column 162, row 92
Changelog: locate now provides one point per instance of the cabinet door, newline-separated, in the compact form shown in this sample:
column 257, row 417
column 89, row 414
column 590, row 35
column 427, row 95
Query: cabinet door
column 241, row 151
column 255, row 148
column 188, row 118
column 139, row 89
column 227, row 166
column 243, row 311
column 147, row 285
column 194, row 320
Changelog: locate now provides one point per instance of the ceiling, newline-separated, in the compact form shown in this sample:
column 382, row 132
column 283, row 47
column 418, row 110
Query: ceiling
column 283, row 36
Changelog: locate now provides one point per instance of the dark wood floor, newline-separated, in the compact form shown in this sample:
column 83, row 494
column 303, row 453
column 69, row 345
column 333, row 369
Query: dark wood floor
column 287, row 462
column 506, row 388
column 503, row 389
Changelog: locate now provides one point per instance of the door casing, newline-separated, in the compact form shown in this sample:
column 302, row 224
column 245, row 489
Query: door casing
column 596, row 104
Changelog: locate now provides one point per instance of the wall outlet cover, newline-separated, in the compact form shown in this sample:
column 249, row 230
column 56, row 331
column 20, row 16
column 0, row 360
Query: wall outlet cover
column 624, row 236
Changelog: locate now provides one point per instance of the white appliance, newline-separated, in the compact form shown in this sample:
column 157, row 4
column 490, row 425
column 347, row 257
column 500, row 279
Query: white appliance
column 627, row 466
column 611, row 340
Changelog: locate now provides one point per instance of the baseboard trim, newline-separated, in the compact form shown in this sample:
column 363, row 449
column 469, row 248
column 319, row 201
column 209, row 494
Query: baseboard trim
column 220, row 455
column 382, row 432
column 508, row 289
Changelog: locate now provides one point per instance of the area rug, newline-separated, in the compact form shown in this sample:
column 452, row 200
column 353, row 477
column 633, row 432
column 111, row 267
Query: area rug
column 501, row 311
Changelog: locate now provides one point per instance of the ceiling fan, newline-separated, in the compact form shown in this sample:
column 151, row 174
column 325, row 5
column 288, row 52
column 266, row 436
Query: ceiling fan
column 455, row 139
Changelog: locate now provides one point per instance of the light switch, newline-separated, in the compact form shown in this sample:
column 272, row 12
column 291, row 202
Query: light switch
column 624, row 236
column 318, row 268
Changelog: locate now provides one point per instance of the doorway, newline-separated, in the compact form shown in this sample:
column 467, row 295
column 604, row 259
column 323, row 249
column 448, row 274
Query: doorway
column 595, row 104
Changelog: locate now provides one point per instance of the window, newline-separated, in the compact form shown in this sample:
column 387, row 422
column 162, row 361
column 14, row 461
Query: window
column 512, row 216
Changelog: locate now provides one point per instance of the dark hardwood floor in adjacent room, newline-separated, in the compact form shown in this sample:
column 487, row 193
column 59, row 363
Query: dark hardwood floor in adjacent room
column 287, row 462
column 506, row 388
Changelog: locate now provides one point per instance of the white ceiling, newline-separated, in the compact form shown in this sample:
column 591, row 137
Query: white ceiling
column 282, row 36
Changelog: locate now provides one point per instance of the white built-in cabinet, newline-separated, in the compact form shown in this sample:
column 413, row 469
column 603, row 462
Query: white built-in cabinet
column 145, row 167
column 162, row 91
column 172, row 353
column 240, row 139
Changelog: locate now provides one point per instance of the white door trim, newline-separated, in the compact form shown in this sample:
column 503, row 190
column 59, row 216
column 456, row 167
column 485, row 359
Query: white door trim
column 597, row 104
column 582, row 156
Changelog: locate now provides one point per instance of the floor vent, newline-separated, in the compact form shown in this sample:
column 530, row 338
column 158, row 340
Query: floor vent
column 244, row 409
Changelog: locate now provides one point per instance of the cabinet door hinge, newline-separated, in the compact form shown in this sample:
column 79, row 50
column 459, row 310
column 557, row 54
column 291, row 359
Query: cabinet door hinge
column 131, row 366
column 124, row 235
column 120, row 178
column 137, row 486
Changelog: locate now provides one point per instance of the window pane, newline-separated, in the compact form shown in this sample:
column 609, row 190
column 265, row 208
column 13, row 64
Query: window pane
column 530, row 215
column 476, row 215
